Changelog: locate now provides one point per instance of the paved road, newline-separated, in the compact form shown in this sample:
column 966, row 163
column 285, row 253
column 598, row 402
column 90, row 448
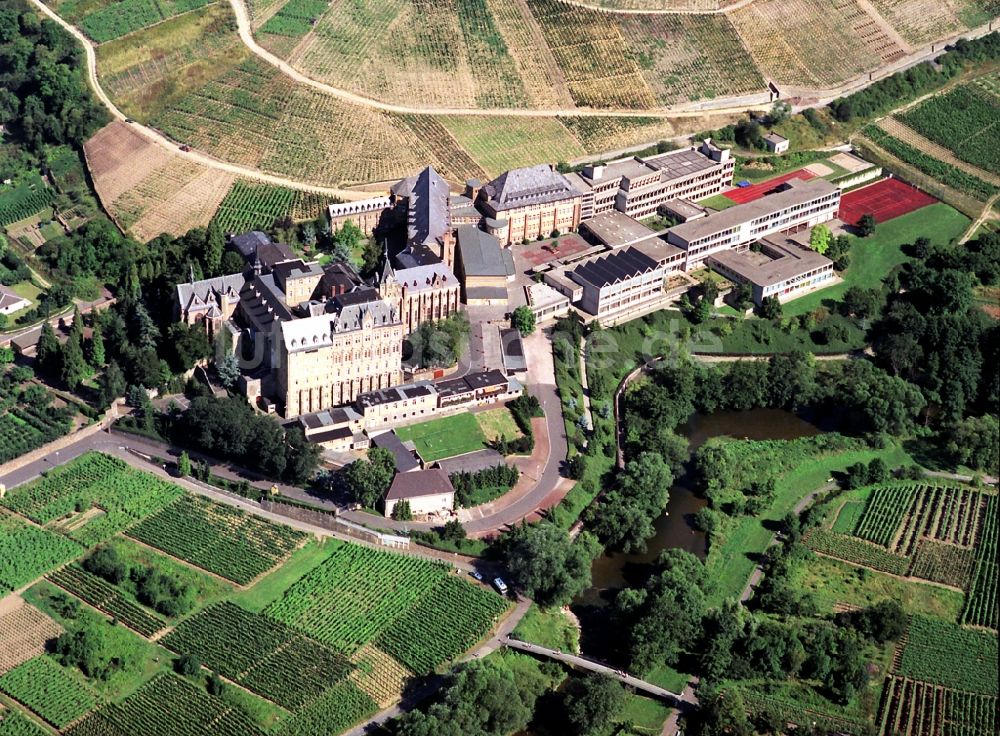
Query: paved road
column 589, row 664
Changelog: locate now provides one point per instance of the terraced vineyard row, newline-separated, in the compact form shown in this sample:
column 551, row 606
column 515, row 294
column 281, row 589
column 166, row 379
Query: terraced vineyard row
column 336, row 710
column 355, row 595
column 923, row 709
column 27, row 552
column 217, row 538
column 852, row 549
column 49, row 690
column 965, row 120
column 981, row 598
column 947, row 654
column 260, row 654
column 105, row 597
column 454, row 614
column 13, row 723
column 167, row 706
column 93, row 480
column 257, row 206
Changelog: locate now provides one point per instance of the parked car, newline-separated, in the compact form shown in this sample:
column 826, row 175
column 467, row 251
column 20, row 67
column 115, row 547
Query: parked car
column 477, row 575
column 185, row 148
column 743, row 184
column 500, row 585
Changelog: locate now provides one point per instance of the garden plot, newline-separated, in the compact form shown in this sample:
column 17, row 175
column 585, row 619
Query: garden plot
column 251, row 205
column 804, row 42
column 689, row 57
column 24, row 630
column 595, row 58
column 947, row 654
column 27, row 552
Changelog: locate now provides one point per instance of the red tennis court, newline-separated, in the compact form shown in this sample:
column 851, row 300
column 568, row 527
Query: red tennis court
column 885, row 199
column 756, row 191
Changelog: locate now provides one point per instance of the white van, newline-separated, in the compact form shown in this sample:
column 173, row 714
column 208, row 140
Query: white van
column 500, row 585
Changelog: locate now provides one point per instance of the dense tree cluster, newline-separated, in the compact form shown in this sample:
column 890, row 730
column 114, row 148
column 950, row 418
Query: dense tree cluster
column 439, row 344
column 547, row 565
column 229, row 428
column 909, row 84
column 501, row 476
column 44, row 97
column 623, row 520
column 367, row 480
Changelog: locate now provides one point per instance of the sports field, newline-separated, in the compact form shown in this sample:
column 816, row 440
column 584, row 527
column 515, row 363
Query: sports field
column 445, row 437
column 756, row 191
column 885, row 199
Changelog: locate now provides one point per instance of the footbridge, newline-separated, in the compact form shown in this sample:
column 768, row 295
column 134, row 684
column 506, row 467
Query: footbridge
column 589, row 664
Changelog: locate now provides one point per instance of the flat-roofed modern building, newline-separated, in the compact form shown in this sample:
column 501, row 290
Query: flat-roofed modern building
column 625, row 281
column 784, row 267
column 798, row 204
column 525, row 204
column 615, row 229
column 639, row 186
column 545, row 302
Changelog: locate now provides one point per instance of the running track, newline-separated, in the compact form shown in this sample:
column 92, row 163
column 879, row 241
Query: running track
column 885, row 199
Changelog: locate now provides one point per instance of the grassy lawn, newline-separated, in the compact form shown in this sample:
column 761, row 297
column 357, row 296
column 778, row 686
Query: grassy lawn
column 549, row 628
column 645, row 714
column 29, row 291
column 717, row 202
column 445, row 437
column 667, row 677
column 874, row 257
column 272, row 586
column 832, row 582
column 497, row 422
column 731, row 562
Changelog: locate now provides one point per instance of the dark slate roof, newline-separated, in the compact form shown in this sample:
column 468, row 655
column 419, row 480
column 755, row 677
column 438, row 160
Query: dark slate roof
column 270, row 254
column 247, row 243
column 614, row 267
column 481, row 253
column 428, row 214
column 419, row 483
column 523, row 187
column 340, row 276
column 405, row 462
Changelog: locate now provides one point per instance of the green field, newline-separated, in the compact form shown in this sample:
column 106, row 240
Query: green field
column 445, row 437
column 548, row 628
column 872, row 258
column 23, row 198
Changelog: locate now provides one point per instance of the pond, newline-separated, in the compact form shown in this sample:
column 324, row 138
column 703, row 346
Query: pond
column 675, row 529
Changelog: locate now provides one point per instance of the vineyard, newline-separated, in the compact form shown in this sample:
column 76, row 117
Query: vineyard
column 93, row 480
column 947, row 654
column 851, row 549
column 167, row 706
column 296, row 17
column 27, row 552
column 411, row 609
column 13, row 723
column 965, row 120
column 296, row 130
column 513, row 142
column 337, row 709
column 220, row 539
column 945, row 173
column 918, row 708
column 452, row 618
column 116, row 19
column 260, row 654
column 256, row 206
column 981, row 598
column 48, row 690
column 807, row 42
column 25, row 428
column 103, row 596
column 355, row 595
column 23, row 198
column 599, row 67
column 24, row 630
column 691, row 57
column 378, row 675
